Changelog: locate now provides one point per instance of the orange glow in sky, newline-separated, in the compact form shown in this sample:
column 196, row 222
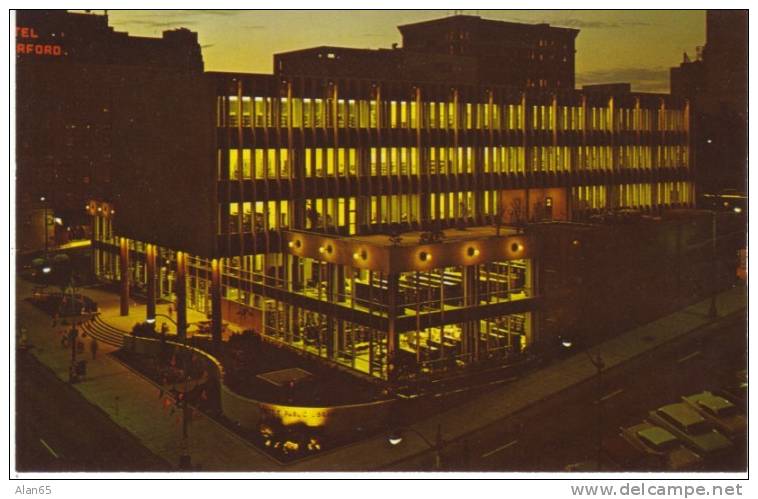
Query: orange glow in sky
column 613, row 46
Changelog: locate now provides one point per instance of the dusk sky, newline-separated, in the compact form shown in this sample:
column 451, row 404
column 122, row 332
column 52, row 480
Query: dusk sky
column 613, row 46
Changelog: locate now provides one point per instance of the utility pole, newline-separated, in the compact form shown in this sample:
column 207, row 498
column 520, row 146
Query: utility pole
column 44, row 224
column 712, row 310
column 73, row 336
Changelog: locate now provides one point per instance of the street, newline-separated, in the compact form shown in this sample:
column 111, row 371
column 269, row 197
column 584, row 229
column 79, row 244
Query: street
column 559, row 433
column 57, row 430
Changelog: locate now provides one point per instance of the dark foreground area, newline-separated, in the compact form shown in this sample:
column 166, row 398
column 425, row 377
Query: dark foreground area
column 564, row 433
column 58, row 430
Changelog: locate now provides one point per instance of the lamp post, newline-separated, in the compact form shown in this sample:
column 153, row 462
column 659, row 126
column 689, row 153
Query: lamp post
column 44, row 223
column 73, row 335
column 396, row 437
column 712, row 310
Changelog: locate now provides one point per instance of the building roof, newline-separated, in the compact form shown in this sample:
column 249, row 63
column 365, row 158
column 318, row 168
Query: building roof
column 477, row 20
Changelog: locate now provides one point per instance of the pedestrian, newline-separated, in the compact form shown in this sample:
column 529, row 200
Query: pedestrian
column 93, row 347
column 24, row 341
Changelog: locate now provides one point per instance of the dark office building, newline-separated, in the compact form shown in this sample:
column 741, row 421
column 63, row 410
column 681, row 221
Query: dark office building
column 70, row 71
column 716, row 84
column 506, row 53
column 457, row 49
column 688, row 79
column 395, row 63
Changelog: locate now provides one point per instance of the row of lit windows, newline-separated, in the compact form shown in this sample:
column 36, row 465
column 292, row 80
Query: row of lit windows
column 328, row 162
column 319, row 113
column 347, row 212
column 332, row 213
column 268, row 215
column 601, row 197
column 350, row 212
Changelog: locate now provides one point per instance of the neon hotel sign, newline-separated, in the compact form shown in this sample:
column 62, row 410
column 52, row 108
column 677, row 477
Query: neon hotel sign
column 29, row 43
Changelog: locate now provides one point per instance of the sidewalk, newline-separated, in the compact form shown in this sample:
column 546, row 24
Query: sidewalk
column 132, row 401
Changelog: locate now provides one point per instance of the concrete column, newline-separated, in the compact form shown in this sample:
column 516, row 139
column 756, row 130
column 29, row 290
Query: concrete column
column 534, row 282
column 97, row 254
column 470, row 298
column 216, row 301
column 150, row 264
column 124, row 264
column 331, row 292
column 393, row 281
column 181, row 294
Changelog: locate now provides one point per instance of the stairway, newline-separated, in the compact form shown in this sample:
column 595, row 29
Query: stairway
column 104, row 332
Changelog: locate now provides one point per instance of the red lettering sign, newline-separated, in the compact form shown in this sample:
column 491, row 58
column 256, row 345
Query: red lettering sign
column 41, row 49
column 25, row 32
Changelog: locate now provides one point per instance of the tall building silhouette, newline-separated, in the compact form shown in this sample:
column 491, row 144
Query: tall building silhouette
column 70, row 69
column 459, row 49
column 716, row 84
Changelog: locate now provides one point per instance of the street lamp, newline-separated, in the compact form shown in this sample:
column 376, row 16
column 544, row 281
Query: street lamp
column 185, row 459
column 712, row 310
column 396, row 437
column 44, row 224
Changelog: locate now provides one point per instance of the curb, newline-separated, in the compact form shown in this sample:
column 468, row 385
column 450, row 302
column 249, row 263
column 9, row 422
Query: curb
column 468, row 435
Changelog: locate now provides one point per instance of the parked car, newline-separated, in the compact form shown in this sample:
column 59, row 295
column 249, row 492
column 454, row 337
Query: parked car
column 735, row 390
column 693, row 429
column 659, row 442
column 721, row 412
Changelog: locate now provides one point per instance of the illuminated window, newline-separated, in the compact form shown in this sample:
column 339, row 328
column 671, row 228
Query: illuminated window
column 432, row 115
column 297, row 113
column 496, row 117
column 259, row 217
column 307, row 113
column 352, row 216
column 319, row 112
column 233, row 111
column 363, row 113
column 247, row 110
column 373, row 115
column 352, row 114
column 234, row 217
column 341, row 112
